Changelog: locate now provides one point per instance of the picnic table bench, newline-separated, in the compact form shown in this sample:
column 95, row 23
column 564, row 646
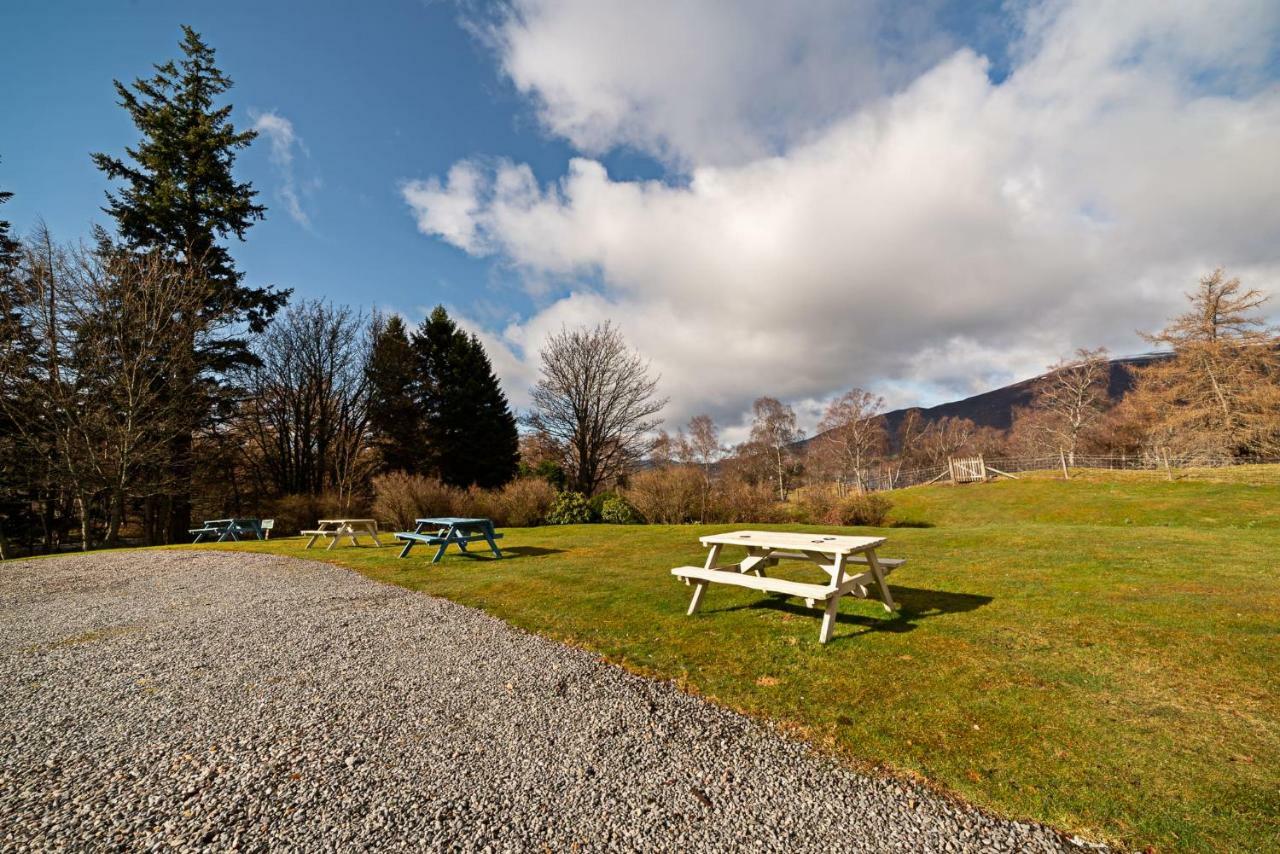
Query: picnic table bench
column 224, row 529
column 336, row 529
column 445, row 530
column 851, row 564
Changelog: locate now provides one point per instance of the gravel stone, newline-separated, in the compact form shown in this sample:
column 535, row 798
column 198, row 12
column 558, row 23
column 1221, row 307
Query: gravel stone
column 188, row 700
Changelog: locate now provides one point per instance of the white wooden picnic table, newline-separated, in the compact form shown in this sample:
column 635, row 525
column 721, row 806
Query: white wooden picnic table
column 851, row 564
column 336, row 529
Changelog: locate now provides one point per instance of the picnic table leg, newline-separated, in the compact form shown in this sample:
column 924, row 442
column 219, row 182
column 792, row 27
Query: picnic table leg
column 408, row 544
column 493, row 544
column 885, row 596
column 333, row 541
column 755, row 561
column 377, row 542
column 699, row 588
column 448, row 537
column 311, row 542
column 829, row 619
column 198, row 538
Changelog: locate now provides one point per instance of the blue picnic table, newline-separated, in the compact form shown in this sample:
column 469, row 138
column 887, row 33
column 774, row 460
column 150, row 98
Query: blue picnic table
column 443, row 530
column 225, row 529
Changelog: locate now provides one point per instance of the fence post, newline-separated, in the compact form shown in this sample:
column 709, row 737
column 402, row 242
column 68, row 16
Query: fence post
column 1168, row 471
column 951, row 470
column 1062, row 457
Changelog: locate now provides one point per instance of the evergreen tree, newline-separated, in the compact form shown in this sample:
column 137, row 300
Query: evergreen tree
column 394, row 414
column 468, row 426
column 8, row 246
column 179, row 193
column 179, row 196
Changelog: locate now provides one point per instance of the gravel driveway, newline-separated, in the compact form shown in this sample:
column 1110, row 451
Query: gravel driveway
column 188, row 699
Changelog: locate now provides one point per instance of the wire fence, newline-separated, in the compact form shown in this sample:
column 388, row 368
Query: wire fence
column 1171, row 467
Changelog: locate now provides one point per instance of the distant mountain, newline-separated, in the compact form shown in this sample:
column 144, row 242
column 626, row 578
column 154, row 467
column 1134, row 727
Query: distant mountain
column 995, row 408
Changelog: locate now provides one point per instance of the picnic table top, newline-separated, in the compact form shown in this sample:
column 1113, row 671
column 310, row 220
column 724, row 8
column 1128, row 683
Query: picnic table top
column 823, row 543
column 453, row 520
column 344, row 521
column 237, row 520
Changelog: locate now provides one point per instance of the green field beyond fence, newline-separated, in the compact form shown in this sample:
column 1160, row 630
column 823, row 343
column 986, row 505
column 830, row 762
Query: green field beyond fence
column 1101, row 654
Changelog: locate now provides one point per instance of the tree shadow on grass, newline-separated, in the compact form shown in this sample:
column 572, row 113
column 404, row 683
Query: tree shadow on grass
column 914, row 604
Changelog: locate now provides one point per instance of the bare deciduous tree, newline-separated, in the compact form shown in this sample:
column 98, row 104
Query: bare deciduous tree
column 853, row 436
column 108, row 330
column 704, row 450
column 306, row 413
column 597, row 401
column 1067, row 404
column 774, row 432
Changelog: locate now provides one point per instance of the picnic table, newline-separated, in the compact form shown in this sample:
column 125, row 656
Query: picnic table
column 851, row 564
column 444, row 530
column 336, row 529
column 225, row 529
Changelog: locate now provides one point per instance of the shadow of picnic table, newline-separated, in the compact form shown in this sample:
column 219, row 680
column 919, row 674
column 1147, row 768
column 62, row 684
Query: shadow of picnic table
column 914, row 604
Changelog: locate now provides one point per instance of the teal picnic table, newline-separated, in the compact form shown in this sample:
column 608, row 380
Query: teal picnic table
column 444, row 530
column 227, row 529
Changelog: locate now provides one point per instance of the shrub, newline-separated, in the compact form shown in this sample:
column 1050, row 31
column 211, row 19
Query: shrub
column 569, row 508
column 871, row 509
column 616, row 511
column 294, row 513
column 524, row 502
column 736, row 500
column 813, row 504
column 666, row 496
column 399, row 498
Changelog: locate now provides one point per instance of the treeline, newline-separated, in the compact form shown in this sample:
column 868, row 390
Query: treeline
column 143, row 383
column 1214, row 399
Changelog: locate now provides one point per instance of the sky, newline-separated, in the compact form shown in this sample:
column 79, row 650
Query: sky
column 926, row 199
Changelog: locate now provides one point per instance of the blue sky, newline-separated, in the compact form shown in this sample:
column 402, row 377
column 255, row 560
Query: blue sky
column 924, row 198
column 376, row 98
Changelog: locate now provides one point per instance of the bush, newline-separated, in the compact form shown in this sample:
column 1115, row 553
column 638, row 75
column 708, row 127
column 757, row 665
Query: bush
column 736, row 500
column 294, row 513
column 666, row 496
column 871, row 509
column 399, row 498
column 616, row 511
column 569, row 508
column 524, row 502
column 813, row 504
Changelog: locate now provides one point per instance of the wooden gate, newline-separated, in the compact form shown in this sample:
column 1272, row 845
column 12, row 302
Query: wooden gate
column 967, row 469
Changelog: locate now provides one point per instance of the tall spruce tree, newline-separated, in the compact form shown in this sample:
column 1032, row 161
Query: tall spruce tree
column 179, row 195
column 394, row 414
column 469, row 430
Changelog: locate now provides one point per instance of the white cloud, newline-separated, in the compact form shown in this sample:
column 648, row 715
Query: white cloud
column 951, row 235
column 708, row 82
column 280, row 133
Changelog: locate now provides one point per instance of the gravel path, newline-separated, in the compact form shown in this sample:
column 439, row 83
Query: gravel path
column 188, row 699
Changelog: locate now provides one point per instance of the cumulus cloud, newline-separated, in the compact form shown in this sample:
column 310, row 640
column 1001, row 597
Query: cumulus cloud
column 951, row 233
column 696, row 83
column 284, row 141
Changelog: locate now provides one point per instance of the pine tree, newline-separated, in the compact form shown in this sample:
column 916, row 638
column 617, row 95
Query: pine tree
column 394, row 415
column 469, row 430
column 179, row 196
column 179, row 193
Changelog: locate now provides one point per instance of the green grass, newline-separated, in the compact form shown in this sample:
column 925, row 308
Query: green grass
column 1101, row 655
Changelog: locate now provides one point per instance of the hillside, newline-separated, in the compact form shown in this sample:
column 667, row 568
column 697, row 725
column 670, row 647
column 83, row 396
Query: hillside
column 995, row 408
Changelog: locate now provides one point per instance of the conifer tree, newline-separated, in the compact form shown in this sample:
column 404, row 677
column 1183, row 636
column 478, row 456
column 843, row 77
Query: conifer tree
column 178, row 195
column 394, row 414
column 469, row 430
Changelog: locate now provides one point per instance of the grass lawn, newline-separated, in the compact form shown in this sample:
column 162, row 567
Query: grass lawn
column 1102, row 655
